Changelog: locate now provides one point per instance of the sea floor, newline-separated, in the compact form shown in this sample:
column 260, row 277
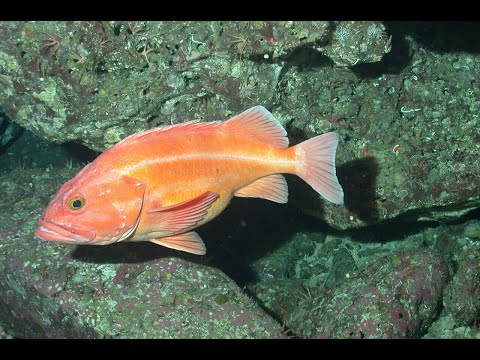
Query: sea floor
column 316, row 281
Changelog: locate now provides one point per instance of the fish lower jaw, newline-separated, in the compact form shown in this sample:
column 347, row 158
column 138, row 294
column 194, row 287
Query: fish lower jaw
column 53, row 232
column 50, row 235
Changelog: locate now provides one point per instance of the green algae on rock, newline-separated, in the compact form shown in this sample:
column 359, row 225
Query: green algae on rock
column 56, row 291
column 408, row 122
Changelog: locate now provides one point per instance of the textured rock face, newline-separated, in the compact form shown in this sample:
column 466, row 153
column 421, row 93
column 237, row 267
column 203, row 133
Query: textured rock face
column 9, row 131
column 462, row 296
column 356, row 42
column 406, row 124
column 382, row 282
column 409, row 151
column 396, row 297
column 97, row 82
column 140, row 291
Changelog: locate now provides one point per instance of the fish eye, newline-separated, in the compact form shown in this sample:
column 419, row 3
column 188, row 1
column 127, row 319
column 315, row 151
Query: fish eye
column 76, row 203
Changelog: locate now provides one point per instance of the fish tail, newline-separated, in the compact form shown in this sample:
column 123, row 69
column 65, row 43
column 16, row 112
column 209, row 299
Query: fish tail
column 316, row 165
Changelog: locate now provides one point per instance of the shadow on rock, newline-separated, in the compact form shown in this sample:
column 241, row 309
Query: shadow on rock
column 248, row 229
column 441, row 36
column 80, row 152
column 359, row 181
column 389, row 231
column 396, row 61
column 121, row 253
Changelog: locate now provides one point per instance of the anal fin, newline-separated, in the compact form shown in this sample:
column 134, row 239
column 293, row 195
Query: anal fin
column 271, row 187
column 190, row 242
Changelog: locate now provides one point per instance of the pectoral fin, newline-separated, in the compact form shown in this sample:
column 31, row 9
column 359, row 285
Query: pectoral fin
column 189, row 242
column 178, row 217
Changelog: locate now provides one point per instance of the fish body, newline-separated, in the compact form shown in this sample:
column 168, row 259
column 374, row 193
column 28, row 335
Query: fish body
column 160, row 184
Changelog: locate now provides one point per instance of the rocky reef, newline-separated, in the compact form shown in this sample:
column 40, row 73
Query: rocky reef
column 52, row 290
column 401, row 258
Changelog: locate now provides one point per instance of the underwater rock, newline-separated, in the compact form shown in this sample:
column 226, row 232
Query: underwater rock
column 343, row 264
column 408, row 131
column 447, row 327
column 138, row 290
column 408, row 123
column 472, row 229
column 97, row 82
column 356, row 42
column 4, row 335
column 395, row 297
column 9, row 131
column 462, row 295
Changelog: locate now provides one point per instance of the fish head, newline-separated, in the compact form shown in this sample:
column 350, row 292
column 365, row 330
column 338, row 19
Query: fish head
column 94, row 209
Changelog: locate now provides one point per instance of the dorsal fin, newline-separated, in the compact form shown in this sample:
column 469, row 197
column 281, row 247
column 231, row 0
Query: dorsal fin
column 258, row 123
column 193, row 125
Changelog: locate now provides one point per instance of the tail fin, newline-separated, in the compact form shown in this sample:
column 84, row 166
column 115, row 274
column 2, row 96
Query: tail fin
column 316, row 166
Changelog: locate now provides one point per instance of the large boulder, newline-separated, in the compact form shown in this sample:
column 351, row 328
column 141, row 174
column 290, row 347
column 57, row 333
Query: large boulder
column 407, row 121
column 53, row 290
column 398, row 296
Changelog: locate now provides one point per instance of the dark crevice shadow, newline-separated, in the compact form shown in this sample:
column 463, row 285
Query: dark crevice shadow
column 441, row 36
column 80, row 152
column 393, row 63
column 389, row 231
column 400, row 227
column 403, row 226
column 120, row 253
column 306, row 58
column 413, row 214
column 359, row 181
column 4, row 127
column 471, row 215
column 247, row 230
column 437, row 36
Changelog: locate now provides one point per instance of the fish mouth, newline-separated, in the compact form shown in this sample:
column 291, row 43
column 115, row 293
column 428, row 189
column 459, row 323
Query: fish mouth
column 74, row 234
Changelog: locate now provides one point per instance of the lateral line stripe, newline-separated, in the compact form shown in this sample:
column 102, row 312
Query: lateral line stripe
column 148, row 162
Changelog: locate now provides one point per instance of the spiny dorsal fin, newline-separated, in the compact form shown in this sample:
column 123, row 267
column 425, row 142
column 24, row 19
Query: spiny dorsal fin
column 193, row 125
column 272, row 187
column 257, row 122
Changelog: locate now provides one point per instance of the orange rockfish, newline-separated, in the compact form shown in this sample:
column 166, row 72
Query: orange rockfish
column 158, row 185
